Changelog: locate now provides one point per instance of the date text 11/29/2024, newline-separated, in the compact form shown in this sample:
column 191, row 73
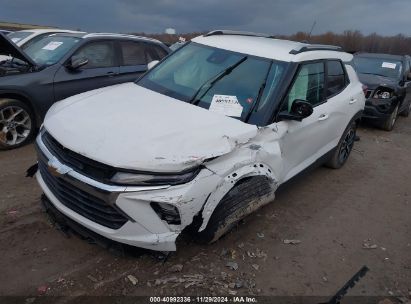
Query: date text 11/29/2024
column 203, row 299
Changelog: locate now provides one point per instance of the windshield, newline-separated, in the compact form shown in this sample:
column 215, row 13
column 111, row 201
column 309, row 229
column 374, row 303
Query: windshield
column 230, row 83
column 378, row 66
column 17, row 36
column 51, row 49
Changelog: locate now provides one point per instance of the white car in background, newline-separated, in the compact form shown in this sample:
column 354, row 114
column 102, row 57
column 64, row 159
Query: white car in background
column 26, row 37
column 201, row 140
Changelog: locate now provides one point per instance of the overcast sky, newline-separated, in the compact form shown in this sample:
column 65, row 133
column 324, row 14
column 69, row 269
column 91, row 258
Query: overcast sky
column 386, row 17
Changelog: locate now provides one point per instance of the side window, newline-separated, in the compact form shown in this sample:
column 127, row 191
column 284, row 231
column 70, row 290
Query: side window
column 133, row 53
column 336, row 78
column 308, row 85
column 99, row 55
column 155, row 52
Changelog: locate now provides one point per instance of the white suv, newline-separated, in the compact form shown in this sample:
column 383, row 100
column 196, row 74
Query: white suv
column 201, row 140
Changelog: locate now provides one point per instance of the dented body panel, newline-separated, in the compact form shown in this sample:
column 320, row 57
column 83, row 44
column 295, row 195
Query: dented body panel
column 140, row 129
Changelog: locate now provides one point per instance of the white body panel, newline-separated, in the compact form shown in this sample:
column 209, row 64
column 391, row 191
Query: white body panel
column 127, row 126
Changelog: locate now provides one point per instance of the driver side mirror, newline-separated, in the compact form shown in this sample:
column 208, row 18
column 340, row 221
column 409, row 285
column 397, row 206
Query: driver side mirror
column 77, row 63
column 300, row 109
column 152, row 64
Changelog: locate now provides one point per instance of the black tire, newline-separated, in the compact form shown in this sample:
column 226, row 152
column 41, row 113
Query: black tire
column 389, row 123
column 344, row 148
column 17, row 124
column 247, row 196
column 407, row 111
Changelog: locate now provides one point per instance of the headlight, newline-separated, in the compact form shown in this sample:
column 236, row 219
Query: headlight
column 382, row 95
column 150, row 179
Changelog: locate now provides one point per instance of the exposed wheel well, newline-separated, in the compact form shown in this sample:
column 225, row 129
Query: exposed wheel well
column 198, row 218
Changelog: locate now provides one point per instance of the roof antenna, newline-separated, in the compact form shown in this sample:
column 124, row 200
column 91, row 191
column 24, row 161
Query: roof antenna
column 312, row 28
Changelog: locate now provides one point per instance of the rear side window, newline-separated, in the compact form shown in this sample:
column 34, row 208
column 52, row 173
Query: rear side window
column 139, row 53
column 99, row 55
column 336, row 78
column 155, row 52
column 133, row 53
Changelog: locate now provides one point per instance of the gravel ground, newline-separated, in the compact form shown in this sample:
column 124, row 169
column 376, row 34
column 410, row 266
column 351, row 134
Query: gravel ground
column 343, row 219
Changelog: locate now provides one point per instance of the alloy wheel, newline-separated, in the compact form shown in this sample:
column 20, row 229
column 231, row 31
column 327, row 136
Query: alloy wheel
column 15, row 125
column 346, row 145
column 394, row 116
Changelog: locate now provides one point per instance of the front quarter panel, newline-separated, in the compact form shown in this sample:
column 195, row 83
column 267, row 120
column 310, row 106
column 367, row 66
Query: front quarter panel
column 261, row 156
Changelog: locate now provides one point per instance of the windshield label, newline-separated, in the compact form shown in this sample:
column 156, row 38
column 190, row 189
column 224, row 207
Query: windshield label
column 227, row 105
column 389, row 65
column 15, row 40
column 52, row 45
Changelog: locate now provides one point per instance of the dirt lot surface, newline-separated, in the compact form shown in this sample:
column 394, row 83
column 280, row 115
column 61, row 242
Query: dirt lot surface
column 344, row 219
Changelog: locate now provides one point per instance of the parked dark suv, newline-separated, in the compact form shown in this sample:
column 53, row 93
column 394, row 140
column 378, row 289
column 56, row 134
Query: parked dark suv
column 62, row 65
column 388, row 80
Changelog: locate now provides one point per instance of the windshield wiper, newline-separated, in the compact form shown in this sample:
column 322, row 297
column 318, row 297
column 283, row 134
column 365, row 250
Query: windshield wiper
column 196, row 98
column 374, row 74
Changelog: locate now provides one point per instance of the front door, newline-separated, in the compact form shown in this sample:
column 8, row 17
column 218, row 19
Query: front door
column 304, row 141
column 101, row 70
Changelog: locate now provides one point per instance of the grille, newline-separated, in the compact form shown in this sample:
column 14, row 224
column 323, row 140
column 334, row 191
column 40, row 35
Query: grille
column 82, row 202
column 79, row 163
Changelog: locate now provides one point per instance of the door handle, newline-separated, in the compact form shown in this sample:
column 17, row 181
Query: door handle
column 353, row 100
column 323, row 117
column 111, row 74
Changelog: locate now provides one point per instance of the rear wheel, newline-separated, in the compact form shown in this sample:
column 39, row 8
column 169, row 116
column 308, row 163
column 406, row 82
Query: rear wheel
column 344, row 148
column 16, row 124
column 389, row 123
column 407, row 111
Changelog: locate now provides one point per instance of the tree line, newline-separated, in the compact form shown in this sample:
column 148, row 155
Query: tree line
column 350, row 41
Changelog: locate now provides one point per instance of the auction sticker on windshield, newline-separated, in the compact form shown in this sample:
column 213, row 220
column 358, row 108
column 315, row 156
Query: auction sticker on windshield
column 388, row 65
column 51, row 46
column 227, row 105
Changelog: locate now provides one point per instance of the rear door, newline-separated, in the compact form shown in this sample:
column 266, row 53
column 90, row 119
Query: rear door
column 342, row 98
column 101, row 70
column 135, row 55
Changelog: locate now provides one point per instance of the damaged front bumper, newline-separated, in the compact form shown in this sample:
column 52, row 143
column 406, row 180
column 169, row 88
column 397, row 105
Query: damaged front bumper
column 379, row 109
column 122, row 213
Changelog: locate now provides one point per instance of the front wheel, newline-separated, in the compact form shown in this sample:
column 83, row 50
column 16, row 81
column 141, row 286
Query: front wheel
column 388, row 124
column 344, row 148
column 16, row 124
column 247, row 196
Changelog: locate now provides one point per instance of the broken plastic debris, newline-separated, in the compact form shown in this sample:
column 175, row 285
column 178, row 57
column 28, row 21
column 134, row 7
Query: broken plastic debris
column 91, row 278
column 132, row 279
column 256, row 266
column 260, row 235
column 232, row 265
column 293, row 242
column 176, row 268
column 368, row 246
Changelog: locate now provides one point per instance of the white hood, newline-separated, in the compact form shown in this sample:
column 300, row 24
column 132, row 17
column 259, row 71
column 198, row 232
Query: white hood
column 128, row 126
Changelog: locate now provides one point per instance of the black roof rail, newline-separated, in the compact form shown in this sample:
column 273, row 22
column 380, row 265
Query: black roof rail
column 317, row 47
column 238, row 33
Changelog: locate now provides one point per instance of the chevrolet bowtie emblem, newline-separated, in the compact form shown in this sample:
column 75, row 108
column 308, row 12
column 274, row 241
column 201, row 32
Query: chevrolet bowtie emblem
column 56, row 169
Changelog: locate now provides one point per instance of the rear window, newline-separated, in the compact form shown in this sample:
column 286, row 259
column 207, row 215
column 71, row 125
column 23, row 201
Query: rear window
column 336, row 79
